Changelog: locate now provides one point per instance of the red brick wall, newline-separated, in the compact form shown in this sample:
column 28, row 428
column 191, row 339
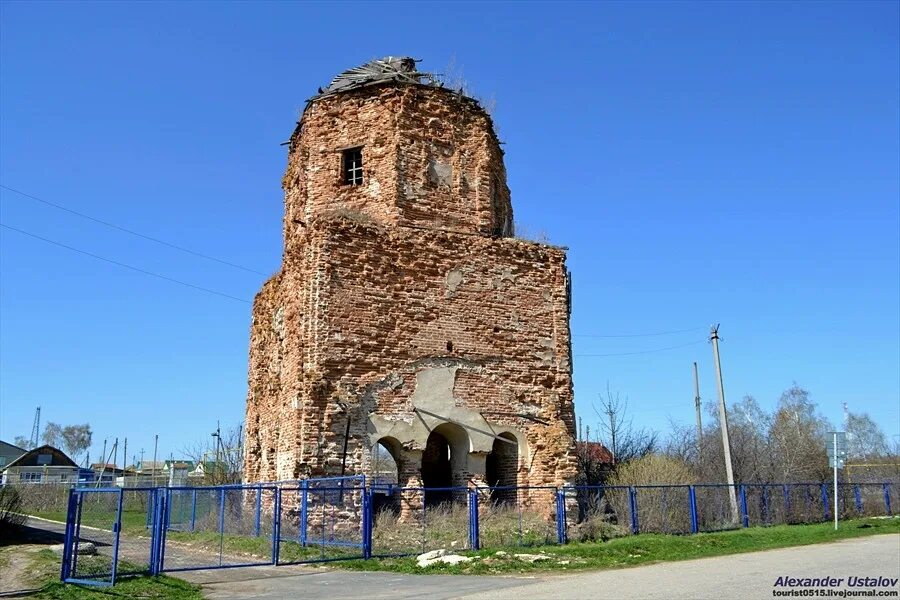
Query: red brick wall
column 402, row 274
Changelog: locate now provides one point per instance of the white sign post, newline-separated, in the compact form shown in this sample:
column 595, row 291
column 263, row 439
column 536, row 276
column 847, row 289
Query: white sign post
column 837, row 452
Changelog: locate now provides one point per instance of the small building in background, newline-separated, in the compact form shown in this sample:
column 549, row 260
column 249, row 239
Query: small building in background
column 9, row 452
column 177, row 471
column 44, row 464
column 106, row 474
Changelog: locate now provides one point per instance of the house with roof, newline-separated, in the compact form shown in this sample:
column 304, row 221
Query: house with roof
column 44, row 464
column 207, row 469
column 9, row 453
column 178, row 471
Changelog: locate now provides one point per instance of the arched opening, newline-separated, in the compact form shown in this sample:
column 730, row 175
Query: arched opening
column 444, row 462
column 502, row 468
column 384, row 475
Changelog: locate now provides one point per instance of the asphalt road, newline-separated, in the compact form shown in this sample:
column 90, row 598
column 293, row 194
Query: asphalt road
column 749, row 576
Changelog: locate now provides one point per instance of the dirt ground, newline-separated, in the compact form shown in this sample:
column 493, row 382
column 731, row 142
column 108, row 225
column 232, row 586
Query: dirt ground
column 16, row 571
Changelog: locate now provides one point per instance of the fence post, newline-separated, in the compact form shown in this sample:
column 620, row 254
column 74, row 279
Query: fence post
column 824, row 500
column 276, row 526
column 257, row 522
column 632, row 500
column 858, row 497
column 67, row 543
column 367, row 522
column 765, row 505
column 304, row 510
column 745, row 514
column 561, row 533
column 160, row 520
column 474, row 542
column 221, row 523
column 692, row 498
column 193, row 509
column 787, row 502
column 887, row 497
column 154, row 538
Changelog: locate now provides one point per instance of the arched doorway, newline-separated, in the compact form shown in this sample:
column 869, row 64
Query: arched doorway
column 444, row 462
column 384, row 475
column 502, row 468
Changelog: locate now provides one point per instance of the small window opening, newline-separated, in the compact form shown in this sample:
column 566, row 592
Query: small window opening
column 353, row 166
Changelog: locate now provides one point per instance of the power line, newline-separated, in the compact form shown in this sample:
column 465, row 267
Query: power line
column 643, row 351
column 132, row 232
column 633, row 335
column 123, row 265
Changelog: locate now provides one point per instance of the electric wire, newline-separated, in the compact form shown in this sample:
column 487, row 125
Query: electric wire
column 133, row 232
column 634, row 335
column 124, row 265
column 641, row 351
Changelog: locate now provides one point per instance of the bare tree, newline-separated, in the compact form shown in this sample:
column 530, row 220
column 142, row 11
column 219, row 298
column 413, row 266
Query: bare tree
column 865, row 439
column 76, row 439
column 785, row 445
column 222, row 457
column 52, row 434
column 797, row 438
column 618, row 432
column 23, row 442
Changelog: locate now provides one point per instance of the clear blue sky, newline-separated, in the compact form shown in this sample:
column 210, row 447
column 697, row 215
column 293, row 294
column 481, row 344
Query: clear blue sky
column 710, row 162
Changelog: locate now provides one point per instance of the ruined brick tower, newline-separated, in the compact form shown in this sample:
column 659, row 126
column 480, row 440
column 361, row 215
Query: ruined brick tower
column 405, row 314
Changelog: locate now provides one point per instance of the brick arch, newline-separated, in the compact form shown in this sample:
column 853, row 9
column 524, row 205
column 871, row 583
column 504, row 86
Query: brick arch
column 502, row 468
column 445, row 462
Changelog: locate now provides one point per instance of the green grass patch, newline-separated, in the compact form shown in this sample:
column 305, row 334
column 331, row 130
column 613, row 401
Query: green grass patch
column 45, row 576
column 640, row 549
column 258, row 548
column 133, row 521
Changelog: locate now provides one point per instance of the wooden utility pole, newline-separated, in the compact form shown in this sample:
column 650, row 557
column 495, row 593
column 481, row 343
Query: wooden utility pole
column 723, row 424
column 611, row 413
column 699, row 420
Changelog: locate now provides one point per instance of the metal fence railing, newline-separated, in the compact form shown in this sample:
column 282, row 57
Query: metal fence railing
column 154, row 530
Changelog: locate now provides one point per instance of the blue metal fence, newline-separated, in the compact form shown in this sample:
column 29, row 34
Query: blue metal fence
column 155, row 530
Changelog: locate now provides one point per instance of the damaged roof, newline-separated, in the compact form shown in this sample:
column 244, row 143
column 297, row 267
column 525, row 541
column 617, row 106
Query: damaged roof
column 389, row 68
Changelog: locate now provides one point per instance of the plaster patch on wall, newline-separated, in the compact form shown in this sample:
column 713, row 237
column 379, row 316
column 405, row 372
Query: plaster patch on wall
column 440, row 173
column 454, row 279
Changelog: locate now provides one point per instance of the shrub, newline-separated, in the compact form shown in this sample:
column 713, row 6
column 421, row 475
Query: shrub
column 11, row 517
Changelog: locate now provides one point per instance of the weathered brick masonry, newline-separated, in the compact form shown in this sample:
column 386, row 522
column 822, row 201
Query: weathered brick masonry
column 403, row 304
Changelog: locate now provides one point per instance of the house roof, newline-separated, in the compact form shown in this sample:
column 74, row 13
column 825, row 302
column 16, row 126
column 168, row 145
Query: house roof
column 595, row 450
column 7, row 449
column 58, row 458
column 105, row 467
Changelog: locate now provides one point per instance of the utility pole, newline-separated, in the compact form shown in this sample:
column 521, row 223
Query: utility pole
column 155, row 445
column 218, row 436
column 723, row 422
column 699, row 420
column 835, row 464
column 612, row 431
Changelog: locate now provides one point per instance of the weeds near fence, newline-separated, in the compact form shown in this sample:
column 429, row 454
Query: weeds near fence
column 633, row 550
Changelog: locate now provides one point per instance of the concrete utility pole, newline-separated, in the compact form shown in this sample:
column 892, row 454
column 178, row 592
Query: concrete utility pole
column 835, row 462
column 697, row 408
column 155, row 445
column 723, row 422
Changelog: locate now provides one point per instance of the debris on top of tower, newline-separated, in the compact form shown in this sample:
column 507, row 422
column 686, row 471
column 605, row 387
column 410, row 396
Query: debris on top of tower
column 389, row 68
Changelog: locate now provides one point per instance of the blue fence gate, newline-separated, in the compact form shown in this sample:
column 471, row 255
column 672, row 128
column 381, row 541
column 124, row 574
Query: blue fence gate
column 322, row 519
column 94, row 551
